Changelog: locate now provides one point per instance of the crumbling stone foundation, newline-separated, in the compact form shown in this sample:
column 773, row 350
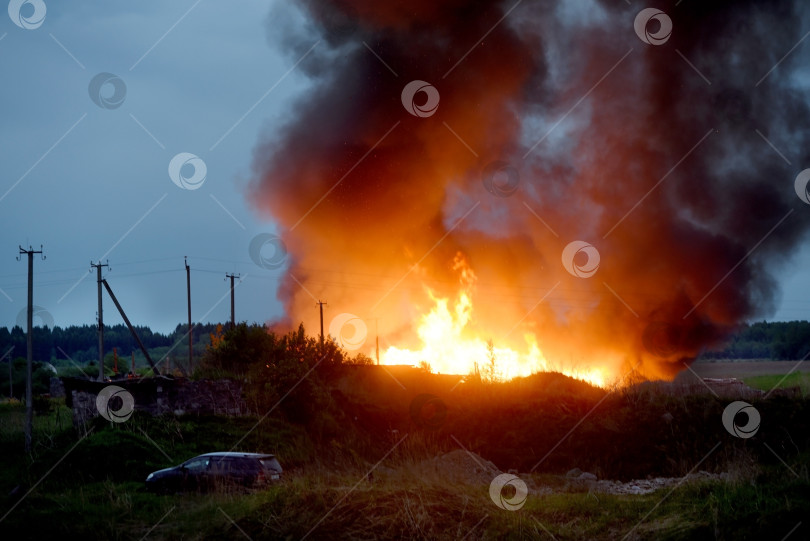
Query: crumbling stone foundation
column 159, row 396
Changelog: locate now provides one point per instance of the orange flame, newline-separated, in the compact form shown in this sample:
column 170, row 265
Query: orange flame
column 446, row 344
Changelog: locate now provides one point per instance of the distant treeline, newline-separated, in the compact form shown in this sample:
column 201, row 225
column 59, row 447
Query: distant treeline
column 779, row 340
column 80, row 342
column 782, row 340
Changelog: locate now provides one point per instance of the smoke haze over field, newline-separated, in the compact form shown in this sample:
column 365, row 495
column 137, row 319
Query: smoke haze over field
column 663, row 158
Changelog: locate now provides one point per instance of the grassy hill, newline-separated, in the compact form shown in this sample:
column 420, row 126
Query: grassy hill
column 91, row 484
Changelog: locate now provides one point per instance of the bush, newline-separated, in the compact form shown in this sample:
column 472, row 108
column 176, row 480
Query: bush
column 41, row 378
column 291, row 372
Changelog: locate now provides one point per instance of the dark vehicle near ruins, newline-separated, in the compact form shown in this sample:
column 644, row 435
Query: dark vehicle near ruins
column 213, row 471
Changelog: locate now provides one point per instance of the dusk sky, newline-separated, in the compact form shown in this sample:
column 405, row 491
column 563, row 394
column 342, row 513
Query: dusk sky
column 91, row 181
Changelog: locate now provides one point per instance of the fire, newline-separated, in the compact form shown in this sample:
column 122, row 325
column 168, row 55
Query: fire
column 448, row 344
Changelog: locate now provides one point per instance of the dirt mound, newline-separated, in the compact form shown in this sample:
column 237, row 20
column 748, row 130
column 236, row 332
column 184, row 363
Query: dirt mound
column 455, row 467
column 461, row 467
column 465, row 467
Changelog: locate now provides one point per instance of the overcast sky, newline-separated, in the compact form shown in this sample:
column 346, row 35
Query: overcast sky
column 88, row 177
column 89, row 181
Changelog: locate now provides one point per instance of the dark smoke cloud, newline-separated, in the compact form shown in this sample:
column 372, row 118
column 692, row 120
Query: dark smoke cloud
column 675, row 275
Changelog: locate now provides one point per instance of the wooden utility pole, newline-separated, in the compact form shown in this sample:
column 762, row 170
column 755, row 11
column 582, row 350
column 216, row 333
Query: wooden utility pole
column 29, row 389
column 10, row 386
column 233, row 313
column 98, row 267
column 321, row 305
column 188, row 294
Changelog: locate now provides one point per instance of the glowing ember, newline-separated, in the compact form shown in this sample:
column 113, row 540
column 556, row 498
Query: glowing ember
column 448, row 348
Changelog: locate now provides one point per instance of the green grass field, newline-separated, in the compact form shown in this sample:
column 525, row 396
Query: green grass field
column 332, row 505
column 303, row 505
column 91, row 485
column 781, row 381
column 346, row 505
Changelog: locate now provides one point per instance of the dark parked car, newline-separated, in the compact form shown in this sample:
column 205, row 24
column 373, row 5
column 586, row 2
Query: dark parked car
column 217, row 470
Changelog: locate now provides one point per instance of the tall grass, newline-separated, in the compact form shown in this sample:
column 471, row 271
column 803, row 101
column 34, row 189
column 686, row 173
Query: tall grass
column 97, row 491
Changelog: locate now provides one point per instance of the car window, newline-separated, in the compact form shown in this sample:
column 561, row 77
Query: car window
column 217, row 463
column 197, row 464
column 270, row 464
column 242, row 464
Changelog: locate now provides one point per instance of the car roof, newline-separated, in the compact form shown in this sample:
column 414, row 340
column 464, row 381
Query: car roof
column 236, row 454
